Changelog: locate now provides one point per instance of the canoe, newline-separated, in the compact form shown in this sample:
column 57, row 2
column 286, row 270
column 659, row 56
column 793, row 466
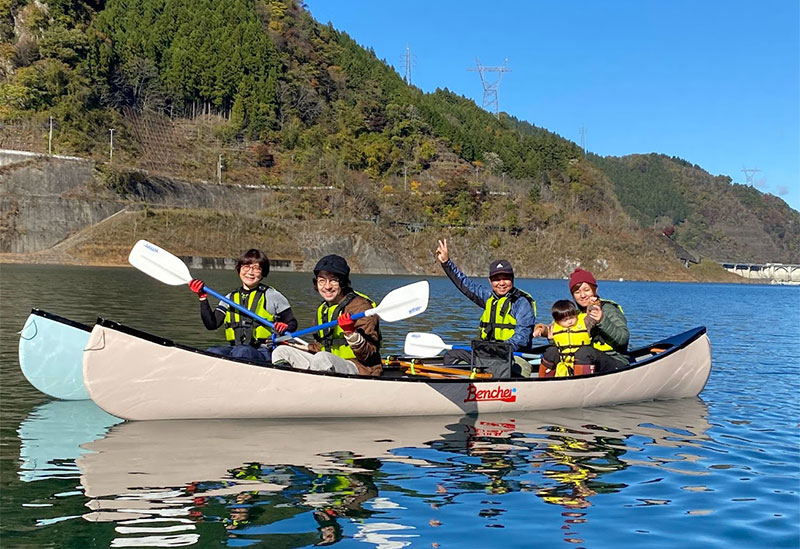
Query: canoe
column 51, row 352
column 139, row 376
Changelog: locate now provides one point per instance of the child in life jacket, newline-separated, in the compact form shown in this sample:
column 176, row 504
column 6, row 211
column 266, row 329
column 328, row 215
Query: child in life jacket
column 568, row 332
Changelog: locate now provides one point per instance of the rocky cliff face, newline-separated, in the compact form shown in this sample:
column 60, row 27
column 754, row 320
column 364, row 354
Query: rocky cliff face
column 42, row 201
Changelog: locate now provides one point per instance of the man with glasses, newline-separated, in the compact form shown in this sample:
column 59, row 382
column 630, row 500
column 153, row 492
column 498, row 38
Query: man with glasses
column 246, row 337
column 350, row 347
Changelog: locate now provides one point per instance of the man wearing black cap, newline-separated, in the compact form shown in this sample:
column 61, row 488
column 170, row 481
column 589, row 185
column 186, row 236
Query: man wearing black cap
column 350, row 347
column 508, row 312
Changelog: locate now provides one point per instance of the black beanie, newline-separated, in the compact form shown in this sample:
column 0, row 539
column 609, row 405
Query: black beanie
column 334, row 264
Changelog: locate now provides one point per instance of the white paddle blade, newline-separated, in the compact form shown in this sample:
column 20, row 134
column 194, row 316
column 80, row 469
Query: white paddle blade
column 422, row 344
column 403, row 303
column 159, row 263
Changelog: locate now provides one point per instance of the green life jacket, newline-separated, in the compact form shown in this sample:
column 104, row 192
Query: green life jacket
column 332, row 339
column 240, row 329
column 597, row 340
column 497, row 322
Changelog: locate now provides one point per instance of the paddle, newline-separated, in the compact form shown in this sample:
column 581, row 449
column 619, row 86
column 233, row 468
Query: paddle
column 169, row 269
column 423, row 344
column 399, row 304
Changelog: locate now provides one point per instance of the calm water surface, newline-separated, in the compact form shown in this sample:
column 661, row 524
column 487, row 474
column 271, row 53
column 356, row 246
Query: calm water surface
column 721, row 470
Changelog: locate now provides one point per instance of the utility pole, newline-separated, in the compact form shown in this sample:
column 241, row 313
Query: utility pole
column 219, row 170
column 490, row 102
column 50, row 139
column 111, row 147
column 405, row 178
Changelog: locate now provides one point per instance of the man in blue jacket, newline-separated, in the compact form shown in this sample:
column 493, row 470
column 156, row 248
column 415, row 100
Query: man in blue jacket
column 508, row 312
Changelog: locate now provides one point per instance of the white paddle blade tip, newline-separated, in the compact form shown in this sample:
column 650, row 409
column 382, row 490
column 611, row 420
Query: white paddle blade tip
column 159, row 263
column 404, row 302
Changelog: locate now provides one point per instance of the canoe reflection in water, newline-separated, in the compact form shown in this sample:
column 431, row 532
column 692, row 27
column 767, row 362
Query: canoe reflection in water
column 306, row 482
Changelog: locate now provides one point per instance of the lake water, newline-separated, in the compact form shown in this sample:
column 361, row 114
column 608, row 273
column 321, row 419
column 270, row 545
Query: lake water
column 721, row 470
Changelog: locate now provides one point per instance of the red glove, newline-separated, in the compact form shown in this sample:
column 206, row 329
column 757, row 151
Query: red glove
column 196, row 285
column 281, row 327
column 347, row 324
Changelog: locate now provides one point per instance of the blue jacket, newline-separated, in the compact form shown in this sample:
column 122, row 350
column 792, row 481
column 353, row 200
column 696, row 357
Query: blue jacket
column 480, row 293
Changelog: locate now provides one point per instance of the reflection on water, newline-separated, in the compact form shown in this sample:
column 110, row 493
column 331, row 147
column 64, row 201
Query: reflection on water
column 296, row 483
column 52, row 434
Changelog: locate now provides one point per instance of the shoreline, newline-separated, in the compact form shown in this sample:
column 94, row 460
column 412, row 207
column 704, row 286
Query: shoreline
column 35, row 259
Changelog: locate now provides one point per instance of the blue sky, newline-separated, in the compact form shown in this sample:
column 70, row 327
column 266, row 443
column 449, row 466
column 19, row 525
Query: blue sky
column 714, row 82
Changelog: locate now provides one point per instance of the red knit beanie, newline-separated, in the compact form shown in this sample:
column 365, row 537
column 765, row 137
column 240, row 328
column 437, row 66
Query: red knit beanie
column 580, row 276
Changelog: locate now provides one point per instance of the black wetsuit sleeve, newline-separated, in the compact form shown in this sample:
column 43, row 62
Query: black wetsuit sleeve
column 287, row 316
column 211, row 319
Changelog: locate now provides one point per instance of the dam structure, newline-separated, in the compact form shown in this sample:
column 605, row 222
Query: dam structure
column 774, row 273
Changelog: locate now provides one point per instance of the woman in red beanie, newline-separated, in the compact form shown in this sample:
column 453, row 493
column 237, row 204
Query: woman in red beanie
column 610, row 335
column 607, row 326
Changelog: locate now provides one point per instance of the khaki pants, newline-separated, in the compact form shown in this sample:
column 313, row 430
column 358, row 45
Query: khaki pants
column 320, row 362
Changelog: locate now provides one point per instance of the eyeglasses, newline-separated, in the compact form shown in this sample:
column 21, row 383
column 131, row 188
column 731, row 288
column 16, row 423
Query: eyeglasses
column 321, row 281
column 255, row 267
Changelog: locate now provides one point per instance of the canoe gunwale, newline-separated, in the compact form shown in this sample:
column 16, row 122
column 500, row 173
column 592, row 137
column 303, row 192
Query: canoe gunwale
column 61, row 319
column 675, row 344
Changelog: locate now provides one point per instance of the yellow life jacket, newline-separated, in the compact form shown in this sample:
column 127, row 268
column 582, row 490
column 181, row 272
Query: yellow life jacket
column 332, row 339
column 241, row 329
column 497, row 322
column 568, row 341
column 597, row 342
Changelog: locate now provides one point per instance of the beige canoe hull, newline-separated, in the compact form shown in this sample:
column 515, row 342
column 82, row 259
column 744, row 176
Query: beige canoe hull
column 137, row 376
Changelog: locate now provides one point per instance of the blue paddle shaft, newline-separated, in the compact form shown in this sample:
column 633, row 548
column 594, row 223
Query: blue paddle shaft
column 312, row 329
column 239, row 308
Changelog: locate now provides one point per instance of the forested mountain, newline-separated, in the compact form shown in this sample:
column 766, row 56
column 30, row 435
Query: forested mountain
column 323, row 108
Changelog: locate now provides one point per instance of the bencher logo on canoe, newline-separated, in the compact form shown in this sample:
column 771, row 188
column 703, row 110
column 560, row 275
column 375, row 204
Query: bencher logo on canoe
column 482, row 395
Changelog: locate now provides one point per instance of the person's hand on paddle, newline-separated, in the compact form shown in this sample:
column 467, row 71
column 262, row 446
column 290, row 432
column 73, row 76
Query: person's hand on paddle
column 441, row 251
column 347, row 324
column 280, row 327
column 196, row 285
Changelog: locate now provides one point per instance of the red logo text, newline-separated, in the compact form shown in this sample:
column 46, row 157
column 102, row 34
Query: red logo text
column 483, row 395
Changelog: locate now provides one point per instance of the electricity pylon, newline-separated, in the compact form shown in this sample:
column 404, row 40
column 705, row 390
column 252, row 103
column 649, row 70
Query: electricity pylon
column 749, row 173
column 408, row 60
column 490, row 88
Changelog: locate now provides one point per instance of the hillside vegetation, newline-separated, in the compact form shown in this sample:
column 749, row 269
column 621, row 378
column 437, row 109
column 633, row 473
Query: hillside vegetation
column 290, row 103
